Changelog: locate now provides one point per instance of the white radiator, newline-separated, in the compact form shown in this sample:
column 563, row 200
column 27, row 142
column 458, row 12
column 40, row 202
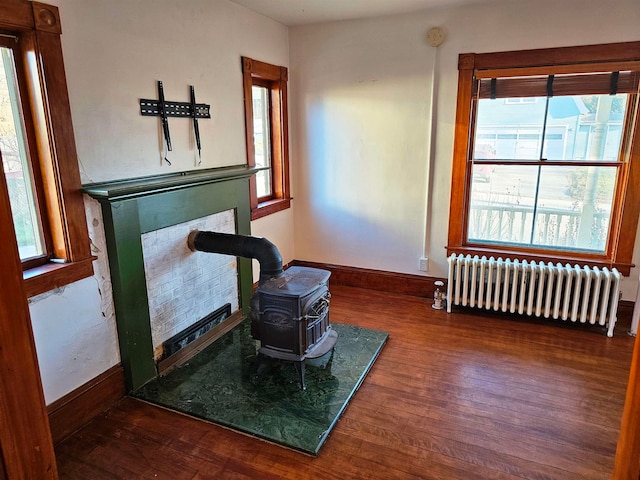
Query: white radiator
column 577, row 293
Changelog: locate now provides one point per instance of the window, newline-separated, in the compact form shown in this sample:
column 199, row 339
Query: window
column 40, row 165
column 266, row 123
column 262, row 141
column 544, row 155
column 23, row 182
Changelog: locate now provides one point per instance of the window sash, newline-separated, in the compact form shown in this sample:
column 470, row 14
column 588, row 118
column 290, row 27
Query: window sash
column 33, row 177
column 540, row 130
column 553, row 207
column 266, row 191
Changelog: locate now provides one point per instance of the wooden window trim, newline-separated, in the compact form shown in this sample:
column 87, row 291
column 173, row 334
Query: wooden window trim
column 626, row 205
column 275, row 78
column 37, row 28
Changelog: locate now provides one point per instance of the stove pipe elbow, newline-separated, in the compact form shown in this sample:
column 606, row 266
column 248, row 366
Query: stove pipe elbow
column 246, row 246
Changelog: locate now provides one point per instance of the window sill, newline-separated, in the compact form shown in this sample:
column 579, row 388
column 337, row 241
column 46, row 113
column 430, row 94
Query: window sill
column 538, row 256
column 269, row 207
column 54, row 275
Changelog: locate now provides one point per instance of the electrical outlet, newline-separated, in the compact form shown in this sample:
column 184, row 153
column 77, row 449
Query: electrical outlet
column 423, row 264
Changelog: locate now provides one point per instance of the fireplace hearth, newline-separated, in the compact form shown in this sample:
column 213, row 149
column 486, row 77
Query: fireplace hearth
column 290, row 309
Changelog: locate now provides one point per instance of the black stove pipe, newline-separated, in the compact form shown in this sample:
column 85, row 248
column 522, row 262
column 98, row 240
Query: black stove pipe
column 241, row 246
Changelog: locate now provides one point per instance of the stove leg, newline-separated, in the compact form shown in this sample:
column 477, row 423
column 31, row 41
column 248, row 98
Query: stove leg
column 328, row 365
column 300, row 370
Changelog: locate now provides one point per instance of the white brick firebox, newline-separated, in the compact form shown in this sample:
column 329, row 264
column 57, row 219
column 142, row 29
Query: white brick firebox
column 182, row 286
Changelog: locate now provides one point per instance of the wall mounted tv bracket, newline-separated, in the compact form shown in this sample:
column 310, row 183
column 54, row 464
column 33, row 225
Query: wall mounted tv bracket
column 164, row 109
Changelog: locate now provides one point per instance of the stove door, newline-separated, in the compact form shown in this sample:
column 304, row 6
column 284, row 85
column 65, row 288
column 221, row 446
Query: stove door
column 279, row 330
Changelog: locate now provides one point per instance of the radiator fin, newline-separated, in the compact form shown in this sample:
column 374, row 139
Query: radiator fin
column 581, row 294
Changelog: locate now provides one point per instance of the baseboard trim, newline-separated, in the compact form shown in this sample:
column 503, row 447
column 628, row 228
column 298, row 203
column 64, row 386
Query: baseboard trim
column 79, row 407
column 403, row 283
column 625, row 311
column 627, row 304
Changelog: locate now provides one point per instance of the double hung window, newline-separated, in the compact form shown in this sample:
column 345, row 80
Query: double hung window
column 546, row 144
column 266, row 123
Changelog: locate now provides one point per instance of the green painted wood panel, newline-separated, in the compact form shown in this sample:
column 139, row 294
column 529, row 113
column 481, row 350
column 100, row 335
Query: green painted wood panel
column 133, row 207
column 124, row 247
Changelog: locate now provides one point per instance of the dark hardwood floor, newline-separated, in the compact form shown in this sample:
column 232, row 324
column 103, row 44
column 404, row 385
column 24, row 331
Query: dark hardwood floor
column 459, row 396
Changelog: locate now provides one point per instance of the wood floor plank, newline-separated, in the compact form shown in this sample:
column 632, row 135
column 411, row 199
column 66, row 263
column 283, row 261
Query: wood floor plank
column 529, row 448
column 551, row 428
column 467, row 395
column 442, row 456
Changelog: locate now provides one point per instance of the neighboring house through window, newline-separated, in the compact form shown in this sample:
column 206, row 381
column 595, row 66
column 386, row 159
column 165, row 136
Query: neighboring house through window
column 267, row 142
column 40, row 165
column 547, row 143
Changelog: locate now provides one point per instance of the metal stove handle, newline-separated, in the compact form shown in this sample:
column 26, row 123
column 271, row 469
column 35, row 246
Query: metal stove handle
column 323, row 303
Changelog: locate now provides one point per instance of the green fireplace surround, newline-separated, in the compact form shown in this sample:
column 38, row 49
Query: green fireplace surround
column 135, row 206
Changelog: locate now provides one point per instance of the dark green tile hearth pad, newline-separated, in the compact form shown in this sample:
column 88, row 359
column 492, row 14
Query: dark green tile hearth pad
column 229, row 385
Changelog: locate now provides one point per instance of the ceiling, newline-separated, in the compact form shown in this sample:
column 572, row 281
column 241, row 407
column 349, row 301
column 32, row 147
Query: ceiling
column 300, row 12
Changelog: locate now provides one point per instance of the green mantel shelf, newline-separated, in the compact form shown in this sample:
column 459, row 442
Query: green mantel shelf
column 116, row 190
column 135, row 206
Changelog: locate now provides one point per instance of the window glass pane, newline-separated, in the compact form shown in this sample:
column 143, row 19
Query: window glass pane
column 15, row 163
column 574, row 207
column 262, row 139
column 502, row 203
column 585, row 127
column 510, row 129
column 571, row 206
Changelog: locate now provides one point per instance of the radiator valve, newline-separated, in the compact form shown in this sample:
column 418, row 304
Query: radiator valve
column 438, row 296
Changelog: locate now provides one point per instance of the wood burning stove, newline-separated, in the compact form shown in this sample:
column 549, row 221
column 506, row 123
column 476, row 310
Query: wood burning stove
column 290, row 309
column 290, row 316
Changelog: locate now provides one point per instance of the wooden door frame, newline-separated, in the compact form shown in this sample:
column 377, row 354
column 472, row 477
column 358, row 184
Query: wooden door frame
column 627, row 463
column 26, row 447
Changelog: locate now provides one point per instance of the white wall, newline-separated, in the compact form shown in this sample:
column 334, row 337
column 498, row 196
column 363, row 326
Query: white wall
column 115, row 51
column 74, row 326
column 360, row 120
